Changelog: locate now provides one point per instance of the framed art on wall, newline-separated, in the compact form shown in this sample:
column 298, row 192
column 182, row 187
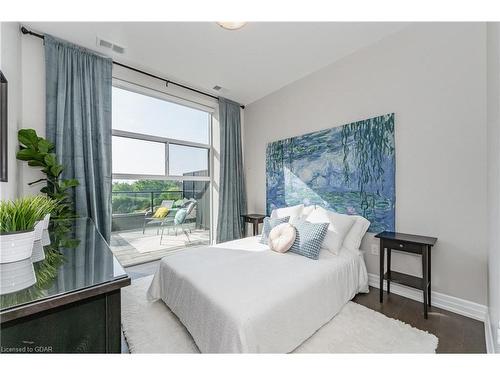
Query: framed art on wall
column 349, row 169
column 3, row 129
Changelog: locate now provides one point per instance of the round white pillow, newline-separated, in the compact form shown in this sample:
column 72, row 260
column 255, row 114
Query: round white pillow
column 282, row 237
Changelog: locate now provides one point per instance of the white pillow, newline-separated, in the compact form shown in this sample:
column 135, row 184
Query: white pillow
column 293, row 211
column 352, row 240
column 307, row 210
column 337, row 230
column 282, row 237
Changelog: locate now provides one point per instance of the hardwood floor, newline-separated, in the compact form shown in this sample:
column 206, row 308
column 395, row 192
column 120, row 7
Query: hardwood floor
column 456, row 333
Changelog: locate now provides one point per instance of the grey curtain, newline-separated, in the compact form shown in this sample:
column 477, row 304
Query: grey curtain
column 78, row 118
column 232, row 194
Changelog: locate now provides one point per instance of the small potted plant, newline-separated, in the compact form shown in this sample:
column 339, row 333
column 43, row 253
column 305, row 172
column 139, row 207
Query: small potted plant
column 17, row 225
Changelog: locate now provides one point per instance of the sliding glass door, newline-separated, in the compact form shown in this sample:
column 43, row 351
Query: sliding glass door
column 161, row 196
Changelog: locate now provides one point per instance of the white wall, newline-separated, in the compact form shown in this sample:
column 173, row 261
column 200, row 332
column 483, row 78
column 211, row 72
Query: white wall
column 494, row 179
column 432, row 76
column 33, row 98
column 10, row 61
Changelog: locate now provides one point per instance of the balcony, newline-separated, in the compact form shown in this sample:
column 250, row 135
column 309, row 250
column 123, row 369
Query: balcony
column 135, row 238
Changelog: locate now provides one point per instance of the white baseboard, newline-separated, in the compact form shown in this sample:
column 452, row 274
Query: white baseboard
column 457, row 305
column 488, row 335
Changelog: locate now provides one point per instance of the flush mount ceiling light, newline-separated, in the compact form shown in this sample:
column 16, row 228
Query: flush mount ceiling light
column 231, row 25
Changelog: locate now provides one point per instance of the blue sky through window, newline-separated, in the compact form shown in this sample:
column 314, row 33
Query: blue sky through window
column 147, row 115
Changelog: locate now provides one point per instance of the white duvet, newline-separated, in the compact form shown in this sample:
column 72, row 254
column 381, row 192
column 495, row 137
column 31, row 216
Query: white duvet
column 241, row 297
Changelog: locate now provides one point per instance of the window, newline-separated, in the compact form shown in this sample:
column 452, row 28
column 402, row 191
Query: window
column 143, row 114
column 161, row 158
column 187, row 161
column 156, row 138
column 135, row 156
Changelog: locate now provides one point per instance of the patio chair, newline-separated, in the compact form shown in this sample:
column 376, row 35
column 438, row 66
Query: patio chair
column 179, row 221
column 149, row 217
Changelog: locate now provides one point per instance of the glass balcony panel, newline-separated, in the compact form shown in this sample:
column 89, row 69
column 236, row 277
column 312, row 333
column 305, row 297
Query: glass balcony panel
column 137, row 236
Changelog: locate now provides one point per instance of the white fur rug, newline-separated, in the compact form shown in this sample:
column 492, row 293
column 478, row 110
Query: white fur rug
column 153, row 328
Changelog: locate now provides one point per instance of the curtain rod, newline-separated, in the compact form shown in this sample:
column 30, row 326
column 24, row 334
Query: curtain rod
column 25, row 31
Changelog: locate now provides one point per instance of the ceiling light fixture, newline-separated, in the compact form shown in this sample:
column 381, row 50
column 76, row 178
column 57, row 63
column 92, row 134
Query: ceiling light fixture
column 231, row 25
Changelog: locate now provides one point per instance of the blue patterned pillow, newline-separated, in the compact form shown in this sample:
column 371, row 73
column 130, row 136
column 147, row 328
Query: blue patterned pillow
column 270, row 224
column 309, row 237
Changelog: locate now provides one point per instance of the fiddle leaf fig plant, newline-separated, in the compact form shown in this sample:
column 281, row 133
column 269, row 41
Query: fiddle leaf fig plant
column 38, row 152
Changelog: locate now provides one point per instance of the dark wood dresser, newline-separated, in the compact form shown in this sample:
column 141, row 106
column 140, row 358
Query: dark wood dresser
column 67, row 303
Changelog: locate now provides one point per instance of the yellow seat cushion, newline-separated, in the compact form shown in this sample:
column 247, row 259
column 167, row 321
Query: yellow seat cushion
column 161, row 213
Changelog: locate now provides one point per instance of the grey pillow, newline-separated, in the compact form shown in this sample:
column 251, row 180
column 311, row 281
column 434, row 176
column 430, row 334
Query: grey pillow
column 270, row 224
column 309, row 238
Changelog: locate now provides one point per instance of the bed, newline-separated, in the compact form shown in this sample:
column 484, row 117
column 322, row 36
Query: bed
column 241, row 297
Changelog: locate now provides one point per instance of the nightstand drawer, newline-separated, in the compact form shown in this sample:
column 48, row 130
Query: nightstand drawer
column 403, row 246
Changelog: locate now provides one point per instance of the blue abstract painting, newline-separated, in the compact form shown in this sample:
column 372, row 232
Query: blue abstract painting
column 348, row 169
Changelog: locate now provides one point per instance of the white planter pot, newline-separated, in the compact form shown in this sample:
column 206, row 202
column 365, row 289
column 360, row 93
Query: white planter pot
column 45, row 238
column 46, row 220
column 39, row 227
column 45, row 234
column 16, row 276
column 38, row 253
column 16, row 246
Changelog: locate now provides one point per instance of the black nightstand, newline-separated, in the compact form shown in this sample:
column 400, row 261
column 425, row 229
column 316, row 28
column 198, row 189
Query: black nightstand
column 254, row 219
column 408, row 243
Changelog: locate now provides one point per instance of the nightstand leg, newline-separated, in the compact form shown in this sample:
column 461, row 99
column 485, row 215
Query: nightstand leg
column 388, row 271
column 381, row 272
column 425, row 266
column 429, row 273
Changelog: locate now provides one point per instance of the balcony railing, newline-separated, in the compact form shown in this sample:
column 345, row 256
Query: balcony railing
column 128, row 202
column 129, row 207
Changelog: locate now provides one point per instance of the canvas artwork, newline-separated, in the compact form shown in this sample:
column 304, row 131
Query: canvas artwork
column 348, row 169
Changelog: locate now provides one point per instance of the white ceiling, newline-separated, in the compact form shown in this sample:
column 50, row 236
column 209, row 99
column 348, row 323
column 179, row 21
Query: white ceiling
column 249, row 63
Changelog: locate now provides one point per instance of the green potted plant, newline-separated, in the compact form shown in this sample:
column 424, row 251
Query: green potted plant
column 18, row 219
column 39, row 152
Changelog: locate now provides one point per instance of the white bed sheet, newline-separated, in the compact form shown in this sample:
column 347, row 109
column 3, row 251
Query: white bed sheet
column 241, row 297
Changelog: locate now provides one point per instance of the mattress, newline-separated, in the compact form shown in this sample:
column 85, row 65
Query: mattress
column 241, row 297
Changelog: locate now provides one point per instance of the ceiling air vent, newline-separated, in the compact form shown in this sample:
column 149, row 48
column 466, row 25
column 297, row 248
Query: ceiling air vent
column 109, row 45
column 118, row 49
